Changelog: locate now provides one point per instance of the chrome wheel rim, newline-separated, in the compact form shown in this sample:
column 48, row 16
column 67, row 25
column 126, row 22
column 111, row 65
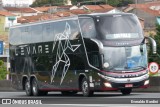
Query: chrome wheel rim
column 34, row 88
column 85, row 87
column 27, row 87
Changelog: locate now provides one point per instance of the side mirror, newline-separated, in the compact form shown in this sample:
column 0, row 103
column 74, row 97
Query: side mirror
column 154, row 45
column 141, row 48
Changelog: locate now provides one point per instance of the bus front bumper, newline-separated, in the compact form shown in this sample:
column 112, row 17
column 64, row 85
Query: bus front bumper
column 135, row 82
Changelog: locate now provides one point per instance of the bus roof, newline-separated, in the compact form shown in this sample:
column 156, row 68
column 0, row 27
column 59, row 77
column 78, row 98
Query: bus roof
column 45, row 21
column 70, row 17
column 104, row 14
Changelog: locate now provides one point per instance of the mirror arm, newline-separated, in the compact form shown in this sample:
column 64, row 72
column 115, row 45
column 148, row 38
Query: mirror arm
column 154, row 45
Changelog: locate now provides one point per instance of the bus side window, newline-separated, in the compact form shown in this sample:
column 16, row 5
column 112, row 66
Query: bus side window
column 15, row 36
column 94, row 60
column 87, row 28
column 75, row 33
column 78, row 62
column 43, row 63
column 25, row 35
column 36, row 32
column 13, row 65
column 48, row 32
column 59, row 29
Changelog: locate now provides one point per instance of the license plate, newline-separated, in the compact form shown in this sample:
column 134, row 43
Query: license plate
column 128, row 85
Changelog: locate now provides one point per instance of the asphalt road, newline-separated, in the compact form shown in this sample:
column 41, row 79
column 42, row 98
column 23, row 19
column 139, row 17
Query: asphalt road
column 100, row 99
column 79, row 95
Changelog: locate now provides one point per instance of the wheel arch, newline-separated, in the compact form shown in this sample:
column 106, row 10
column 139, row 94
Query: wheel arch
column 24, row 78
column 32, row 77
column 81, row 76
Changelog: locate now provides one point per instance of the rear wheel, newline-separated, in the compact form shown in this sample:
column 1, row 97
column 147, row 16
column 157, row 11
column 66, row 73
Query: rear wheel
column 35, row 89
column 126, row 91
column 28, row 88
column 85, row 88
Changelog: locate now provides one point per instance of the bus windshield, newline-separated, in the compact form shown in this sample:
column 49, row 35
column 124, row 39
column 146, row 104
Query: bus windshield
column 118, row 27
column 125, row 58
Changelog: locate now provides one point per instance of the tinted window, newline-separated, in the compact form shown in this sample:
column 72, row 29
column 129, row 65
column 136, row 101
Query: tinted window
column 94, row 59
column 118, row 27
column 87, row 28
column 79, row 62
column 15, row 36
column 36, row 33
column 25, row 35
column 48, row 31
column 75, row 33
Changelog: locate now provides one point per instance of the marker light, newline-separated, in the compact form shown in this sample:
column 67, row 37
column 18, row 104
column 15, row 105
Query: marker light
column 146, row 82
column 107, row 84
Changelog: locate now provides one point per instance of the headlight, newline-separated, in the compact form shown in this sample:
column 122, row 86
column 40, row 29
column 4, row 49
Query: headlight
column 107, row 84
column 106, row 65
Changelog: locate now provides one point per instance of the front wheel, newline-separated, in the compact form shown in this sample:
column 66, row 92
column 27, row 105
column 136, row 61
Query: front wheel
column 85, row 88
column 126, row 91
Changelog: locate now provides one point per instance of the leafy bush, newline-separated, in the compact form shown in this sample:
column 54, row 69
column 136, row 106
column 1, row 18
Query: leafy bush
column 3, row 70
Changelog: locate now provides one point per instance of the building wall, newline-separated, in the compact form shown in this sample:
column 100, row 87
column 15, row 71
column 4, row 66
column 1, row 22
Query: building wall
column 29, row 14
column 114, row 11
column 5, row 23
column 9, row 23
column 149, row 19
column 19, row 14
column 17, row 3
column 2, row 23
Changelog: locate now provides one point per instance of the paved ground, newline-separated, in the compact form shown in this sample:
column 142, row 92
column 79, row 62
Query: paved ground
column 79, row 95
column 98, row 100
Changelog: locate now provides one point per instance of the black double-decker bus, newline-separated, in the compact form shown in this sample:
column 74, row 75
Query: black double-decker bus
column 88, row 53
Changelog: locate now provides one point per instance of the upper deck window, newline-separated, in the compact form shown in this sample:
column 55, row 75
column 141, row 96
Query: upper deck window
column 118, row 27
column 87, row 27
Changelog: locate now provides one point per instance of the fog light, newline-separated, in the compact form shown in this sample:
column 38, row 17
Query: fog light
column 146, row 82
column 107, row 84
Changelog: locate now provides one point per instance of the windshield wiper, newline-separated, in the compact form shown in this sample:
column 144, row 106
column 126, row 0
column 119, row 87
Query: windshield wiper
column 141, row 67
column 137, row 67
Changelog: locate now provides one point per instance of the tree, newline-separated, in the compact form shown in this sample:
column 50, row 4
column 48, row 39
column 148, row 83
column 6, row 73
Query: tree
column 115, row 3
column 124, row 3
column 156, row 58
column 74, row 2
column 3, row 70
column 38, row 3
column 119, row 3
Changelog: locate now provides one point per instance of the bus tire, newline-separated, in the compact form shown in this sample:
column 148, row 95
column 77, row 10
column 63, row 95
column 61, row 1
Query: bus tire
column 85, row 88
column 126, row 91
column 28, row 88
column 35, row 88
column 69, row 92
